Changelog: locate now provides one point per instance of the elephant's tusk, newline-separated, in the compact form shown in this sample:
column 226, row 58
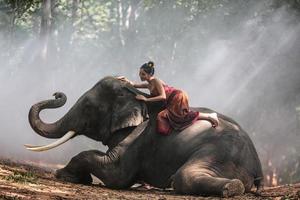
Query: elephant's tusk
column 30, row 145
column 62, row 140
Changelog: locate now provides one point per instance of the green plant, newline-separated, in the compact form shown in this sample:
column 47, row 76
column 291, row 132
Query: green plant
column 22, row 177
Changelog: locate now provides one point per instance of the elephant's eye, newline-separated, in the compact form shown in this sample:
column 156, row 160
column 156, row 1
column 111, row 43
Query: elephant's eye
column 121, row 93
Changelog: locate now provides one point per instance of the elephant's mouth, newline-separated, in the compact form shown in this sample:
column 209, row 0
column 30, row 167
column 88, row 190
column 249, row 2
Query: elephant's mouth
column 57, row 143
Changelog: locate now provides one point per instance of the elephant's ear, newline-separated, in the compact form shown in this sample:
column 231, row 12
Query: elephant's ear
column 127, row 112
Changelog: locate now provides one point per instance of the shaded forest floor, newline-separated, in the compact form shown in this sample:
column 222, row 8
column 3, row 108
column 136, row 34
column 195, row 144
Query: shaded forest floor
column 24, row 181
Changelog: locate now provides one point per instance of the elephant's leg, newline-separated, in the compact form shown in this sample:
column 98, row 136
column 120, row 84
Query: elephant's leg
column 195, row 178
column 78, row 169
column 113, row 174
column 116, row 169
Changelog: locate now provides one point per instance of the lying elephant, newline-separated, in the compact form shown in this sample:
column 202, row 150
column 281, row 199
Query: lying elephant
column 199, row 160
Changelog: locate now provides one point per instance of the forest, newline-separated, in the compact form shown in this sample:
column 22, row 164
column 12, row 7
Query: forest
column 234, row 56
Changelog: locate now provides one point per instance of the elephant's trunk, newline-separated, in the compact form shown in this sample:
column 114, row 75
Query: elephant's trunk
column 54, row 130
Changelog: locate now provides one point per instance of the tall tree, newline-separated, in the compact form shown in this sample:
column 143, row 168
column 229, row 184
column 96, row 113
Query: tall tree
column 45, row 31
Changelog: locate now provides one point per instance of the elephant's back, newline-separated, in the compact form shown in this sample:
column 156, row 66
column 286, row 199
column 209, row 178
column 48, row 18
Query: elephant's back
column 230, row 144
column 225, row 136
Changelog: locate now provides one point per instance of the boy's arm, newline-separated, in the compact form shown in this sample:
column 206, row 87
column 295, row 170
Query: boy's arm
column 136, row 85
column 139, row 85
column 161, row 92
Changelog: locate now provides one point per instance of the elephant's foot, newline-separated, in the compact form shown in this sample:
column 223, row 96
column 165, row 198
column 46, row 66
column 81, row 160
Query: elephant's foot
column 65, row 175
column 234, row 187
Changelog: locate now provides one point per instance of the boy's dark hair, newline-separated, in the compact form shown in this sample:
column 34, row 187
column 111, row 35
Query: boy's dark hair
column 148, row 67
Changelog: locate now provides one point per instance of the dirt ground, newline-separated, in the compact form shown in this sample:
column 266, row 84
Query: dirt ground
column 24, row 181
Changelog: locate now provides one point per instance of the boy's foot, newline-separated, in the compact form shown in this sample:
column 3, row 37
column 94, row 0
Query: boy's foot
column 214, row 119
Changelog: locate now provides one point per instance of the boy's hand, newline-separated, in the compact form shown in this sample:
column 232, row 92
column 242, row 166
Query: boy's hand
column 214, row 119
column 123, row 78
column 141, row 97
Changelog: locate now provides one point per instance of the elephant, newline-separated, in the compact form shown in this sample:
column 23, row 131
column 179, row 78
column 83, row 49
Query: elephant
column 199, row 160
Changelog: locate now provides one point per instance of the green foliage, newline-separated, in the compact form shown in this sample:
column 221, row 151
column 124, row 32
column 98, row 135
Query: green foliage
column 28, row 20
column 5, row 197
column 95, row 19
column 22, row 177
column 92, row 18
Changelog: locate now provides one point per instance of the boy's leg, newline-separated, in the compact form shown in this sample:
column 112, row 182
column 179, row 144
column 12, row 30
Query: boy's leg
column 163, row 125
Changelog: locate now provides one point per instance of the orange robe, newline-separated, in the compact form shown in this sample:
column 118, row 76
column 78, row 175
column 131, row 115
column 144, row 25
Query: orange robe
column 176, row 115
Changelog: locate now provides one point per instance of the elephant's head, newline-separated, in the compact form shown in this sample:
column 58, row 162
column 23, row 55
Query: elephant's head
column 106, row 108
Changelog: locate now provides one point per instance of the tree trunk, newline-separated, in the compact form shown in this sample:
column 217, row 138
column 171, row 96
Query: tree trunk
column 12, row 20
column 45, row 30
column 74, row 17
column 120, row 19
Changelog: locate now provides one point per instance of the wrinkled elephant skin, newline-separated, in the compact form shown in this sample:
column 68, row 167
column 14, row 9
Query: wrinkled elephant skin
column 200, row 160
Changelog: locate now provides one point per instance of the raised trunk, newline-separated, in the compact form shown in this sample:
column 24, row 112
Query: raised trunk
column 54, row 130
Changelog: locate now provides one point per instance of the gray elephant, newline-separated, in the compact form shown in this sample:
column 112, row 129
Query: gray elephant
column 199, row 160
